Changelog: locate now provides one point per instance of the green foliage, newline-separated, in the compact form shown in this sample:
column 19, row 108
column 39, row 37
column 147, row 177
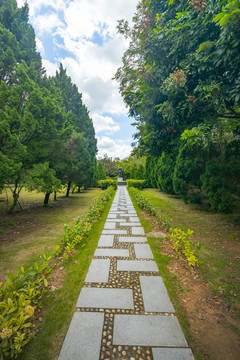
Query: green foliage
column 104, row 184
column 109, row 165
column 180, row 80
column 165, row 170
column 183, row 245
column 220, row 183
column 189, row 167
column 101, row 174
column 47, row 136
column 20, row 298
column 77, row 233
column 145, row 205
column 139, row 184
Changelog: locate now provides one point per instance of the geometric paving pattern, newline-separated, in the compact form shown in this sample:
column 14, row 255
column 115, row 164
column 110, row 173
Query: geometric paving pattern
column 123, row 310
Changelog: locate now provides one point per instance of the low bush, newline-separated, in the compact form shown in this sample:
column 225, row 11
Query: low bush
column 183, row 245
column 76, row 233
column 181, row 241
column 104, row 184
column 145, row 205
column 19, row 300
column 138, row 184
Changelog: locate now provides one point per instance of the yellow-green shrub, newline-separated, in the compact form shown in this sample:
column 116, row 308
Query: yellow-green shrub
column 183, row 245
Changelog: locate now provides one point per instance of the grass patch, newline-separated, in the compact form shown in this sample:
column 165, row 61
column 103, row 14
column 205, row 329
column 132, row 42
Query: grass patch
column 219, row 236
column 171, row 282
column 40, row 230
column 59, row 305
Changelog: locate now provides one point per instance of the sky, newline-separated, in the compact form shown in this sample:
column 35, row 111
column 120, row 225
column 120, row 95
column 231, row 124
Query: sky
column 82, row 35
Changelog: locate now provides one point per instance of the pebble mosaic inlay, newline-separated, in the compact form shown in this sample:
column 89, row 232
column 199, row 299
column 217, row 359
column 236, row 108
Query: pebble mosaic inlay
column 127, row 298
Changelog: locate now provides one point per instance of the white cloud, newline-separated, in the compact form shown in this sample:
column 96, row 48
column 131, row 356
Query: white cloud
column 113, row 148
column 39, row 46
column 50, row 67
column 36, row 5
column 91, row 66
column 46, row 23
column 104, row 123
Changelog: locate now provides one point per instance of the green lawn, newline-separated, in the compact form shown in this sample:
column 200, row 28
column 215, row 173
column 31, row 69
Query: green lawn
column 219, row 235
column 59, row 305
column 26, row 235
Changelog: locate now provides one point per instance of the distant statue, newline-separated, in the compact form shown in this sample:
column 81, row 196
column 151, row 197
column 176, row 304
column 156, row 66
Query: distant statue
column 120, row 171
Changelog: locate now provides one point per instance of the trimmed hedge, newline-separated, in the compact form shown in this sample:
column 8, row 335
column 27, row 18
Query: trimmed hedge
column 104, row 184
column 138, row 184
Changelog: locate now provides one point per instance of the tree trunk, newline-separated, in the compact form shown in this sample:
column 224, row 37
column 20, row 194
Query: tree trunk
column 55, row 196
column 15, row 193
column 46, row 199
column 79, row 189
column 68, row 188
column 15, row 201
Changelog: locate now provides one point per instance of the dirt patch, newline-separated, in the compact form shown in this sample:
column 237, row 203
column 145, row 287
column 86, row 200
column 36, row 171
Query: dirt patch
column 57, row 277
column 210, row 320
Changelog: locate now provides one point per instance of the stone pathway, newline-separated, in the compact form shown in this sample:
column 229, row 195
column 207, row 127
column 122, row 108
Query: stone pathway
column 123, row 310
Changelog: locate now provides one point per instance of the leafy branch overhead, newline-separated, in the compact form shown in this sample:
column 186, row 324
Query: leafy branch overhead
column 180, row 75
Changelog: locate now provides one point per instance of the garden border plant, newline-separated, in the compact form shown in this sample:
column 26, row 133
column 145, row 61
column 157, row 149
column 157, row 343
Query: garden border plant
column 21, row 295
column 182, row 243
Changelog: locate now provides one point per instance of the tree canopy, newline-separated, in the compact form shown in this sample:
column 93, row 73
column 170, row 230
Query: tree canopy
column 180, row 79
column 47, row 136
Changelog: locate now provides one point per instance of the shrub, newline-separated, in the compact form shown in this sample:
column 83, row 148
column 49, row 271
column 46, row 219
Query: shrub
column 219, row 184
column 76, row 233
column 165, row 171
column 190, row 165
column 183, row 245
column 19, row 299
column 139, row 184
column 145, row 205
column 104, row 184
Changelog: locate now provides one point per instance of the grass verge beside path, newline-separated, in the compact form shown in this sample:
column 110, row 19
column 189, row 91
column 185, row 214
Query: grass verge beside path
column 39, row 231
column 219, row 235
column 170, row 280
column 208, row 314
column 59, row 305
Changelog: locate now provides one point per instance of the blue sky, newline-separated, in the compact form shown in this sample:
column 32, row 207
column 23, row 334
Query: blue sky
column 82, row 35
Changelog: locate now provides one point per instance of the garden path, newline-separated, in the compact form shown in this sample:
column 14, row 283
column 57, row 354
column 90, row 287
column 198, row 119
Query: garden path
column 123, row 310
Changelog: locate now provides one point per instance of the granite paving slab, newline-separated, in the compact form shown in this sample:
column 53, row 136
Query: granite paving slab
column 110, row 225
column 148, row 330
column 112, row 216
column 116, row 220
column 143, row 251
column 106, row 298
column 112, row 252
column 132, row 239
column 136, row 265
column 155, row 296
column 138, row 231
column 98, row 271
column 129, row 224
column 106, row 240
column 134, row 219
column 172, row 354
column 83, row 339
column 114, row 232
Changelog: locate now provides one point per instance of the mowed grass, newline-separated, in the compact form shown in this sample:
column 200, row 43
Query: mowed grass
column 60, row 304
column 219, row 235
column 24, row 236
